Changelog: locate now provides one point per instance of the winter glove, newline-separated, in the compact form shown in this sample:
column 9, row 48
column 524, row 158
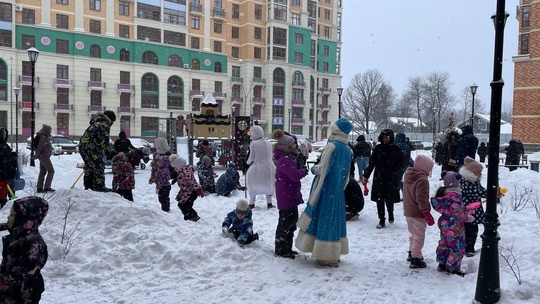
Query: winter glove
column 470, row 219
column 428, row 217
column 200, row 192
column 225, row 230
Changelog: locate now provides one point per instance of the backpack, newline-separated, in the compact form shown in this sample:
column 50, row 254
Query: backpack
column 35, row 140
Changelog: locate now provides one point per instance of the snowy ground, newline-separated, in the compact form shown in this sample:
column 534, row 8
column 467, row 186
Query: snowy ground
column 132, row 252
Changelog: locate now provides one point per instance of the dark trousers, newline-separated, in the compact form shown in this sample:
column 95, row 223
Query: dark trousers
column 187, row 207
column 126, row 193
column 163, row 197
column 471, row 233
column 381, row 202
column 237, row 234
column 285, row 230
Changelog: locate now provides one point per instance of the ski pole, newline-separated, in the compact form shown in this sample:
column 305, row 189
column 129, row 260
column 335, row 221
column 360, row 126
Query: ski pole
column 11, row 192
column 73, row 186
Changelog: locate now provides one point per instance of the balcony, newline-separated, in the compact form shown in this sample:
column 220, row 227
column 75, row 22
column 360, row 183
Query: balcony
column 196, row 93
column 218, row 13
column 96, row 86
column 298, row 84
column 297, row 121
column 63, row 108
column 258, row 81
column 63, row 83
column 219, row 95
column 298, row 103
column 324, row 91
column 125, row 88
column 126, row 111
column 323, row 123
column 324, row 107
column 25, row 106
column 27, row 80
column 195, row 7
column 237, row 79
column 236, row 100
column 259, row 101
column 96, row 109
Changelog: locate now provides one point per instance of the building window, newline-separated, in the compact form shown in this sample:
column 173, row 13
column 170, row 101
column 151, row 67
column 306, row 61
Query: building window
column 62, row 46
column 95, row 26
column 174, row 38
column 325, row 67
column 257, row 52
column 28, row 16
column 258, row 11
column 218, row 26
column 26, row 69
column 123, row 31
column 123, row 8
column 217, row 46
column 149, row 57
column 257, row 33
column 148, row 34
column 280, row 36
column 62, row 21
column 235, row 71
column 235, row 52
column 95, row 74
column 279, row 76
column 195, row 43
column 295, row 2
column 257, row 72
column 218, row 86
column 524, row 47
column 298, row 57
column 174, row 16
column 195, row 64
column 95, row 98
column 195, row 22
column 95, row 51
column 280, row 12
column 62, row 95
column 62, row 71
column 326, row 14
column 149, row 92
column 196, row 84
column 95, row 5
column 525, row 16
column 6, row 11
column 175, row 61
column 295, row 19
column 175, row 85
column 125, row 77
column 28, row 41
column 125, row 100
column 235, row 32
column 327, row 32
column 217, row 67
column 299, row 39
column 279, row 53
column 65, row 2
column 235, row 11
column 326, row 50
column 124, row 55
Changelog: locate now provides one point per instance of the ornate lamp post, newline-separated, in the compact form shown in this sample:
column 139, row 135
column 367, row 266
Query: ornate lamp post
column 474, row 87
column 33, row 56
column 17, row 90
column 290, row 119
column 488, row 288
column 339, row 92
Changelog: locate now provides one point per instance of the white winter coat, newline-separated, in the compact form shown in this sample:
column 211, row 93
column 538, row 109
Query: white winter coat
column 260, row 177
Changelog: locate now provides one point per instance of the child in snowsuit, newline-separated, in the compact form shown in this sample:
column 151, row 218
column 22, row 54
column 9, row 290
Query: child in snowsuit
column 239, row 223
column 472, row 191
column 163, row 177
column 123, row 176
column 416, row 207
column 206, row 175
column 189, row 189
column 228, row 181
column 354, row 200
column 24, row 252
column 8, row 166
column 448, row 202
column 288, row 192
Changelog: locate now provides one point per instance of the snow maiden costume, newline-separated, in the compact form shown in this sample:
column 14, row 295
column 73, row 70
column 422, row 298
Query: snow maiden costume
column 260, row 176
column 323, row 230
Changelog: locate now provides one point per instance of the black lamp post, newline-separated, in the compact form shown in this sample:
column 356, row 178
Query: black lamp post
column 17, row 90
column 32, row 56
column 339, row 92
column 434, row 131
column 488, row 288
column 474, row 87
column 290, row 119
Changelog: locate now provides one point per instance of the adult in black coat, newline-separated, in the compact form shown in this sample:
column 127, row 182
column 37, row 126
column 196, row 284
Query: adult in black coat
column 467, row 145
column 449, row 151
column 513, row 153
column 123, row 144
column 386, row 160
column 482, row 152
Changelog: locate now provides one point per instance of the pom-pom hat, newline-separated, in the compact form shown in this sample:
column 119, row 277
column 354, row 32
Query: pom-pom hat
column 282, row 138
column 242, row 206
column 451, row 179
column 473, row 166
column 344, row 125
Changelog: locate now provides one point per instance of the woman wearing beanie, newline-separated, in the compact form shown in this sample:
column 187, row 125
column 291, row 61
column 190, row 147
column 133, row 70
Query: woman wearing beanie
column 472, row 191
column 260, row 176
column 323, row 230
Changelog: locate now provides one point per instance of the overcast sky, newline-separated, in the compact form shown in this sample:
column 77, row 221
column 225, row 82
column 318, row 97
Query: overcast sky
column 403, row 38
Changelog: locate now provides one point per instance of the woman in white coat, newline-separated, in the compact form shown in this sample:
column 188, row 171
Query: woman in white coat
column 260, row 176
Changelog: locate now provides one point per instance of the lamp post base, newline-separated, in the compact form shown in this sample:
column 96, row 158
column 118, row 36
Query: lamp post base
column 488, row 288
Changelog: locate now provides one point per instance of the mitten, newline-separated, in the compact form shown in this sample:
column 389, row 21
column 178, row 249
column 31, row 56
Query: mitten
column 470, row 219
column 429, row 219
column 200, row 192
column 225, row 230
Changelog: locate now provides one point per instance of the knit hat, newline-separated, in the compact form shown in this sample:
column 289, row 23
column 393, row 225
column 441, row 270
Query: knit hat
column 473, row 166
column 451, row 179
column 110, row 114
column 242, row 206
column 232, row 165
column 206, row 160
column 361, row 138
column 173, row 157
column 178, row 163
column 344, row 125
column 282, row 138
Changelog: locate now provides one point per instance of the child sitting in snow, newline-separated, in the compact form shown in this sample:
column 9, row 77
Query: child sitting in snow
column 239, row 223
column 123, row 176
column 206, row 175
column 448, row 202
column 189, row 189
column 228, row 181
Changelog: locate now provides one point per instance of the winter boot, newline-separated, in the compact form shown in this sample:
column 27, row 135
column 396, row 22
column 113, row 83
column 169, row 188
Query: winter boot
column 251, row 206
column 441, row 268
column 417, row 263
column 409, row 256
column 286, row 255
column 391, row 217
column 381, row 224
column 458, row 272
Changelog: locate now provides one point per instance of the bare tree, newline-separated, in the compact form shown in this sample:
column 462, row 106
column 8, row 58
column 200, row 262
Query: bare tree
column 361, row 99
column 437, row 90
column 506, row 113
column 414, row 95
column 384, row 102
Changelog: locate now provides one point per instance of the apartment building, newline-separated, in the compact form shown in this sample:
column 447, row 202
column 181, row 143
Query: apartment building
column 277, row 61
column 526, row 107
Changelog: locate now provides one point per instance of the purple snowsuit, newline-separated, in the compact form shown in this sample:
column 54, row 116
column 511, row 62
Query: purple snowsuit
column 451, row 223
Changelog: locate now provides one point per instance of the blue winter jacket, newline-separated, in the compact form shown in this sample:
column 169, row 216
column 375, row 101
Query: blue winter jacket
column 243, row 226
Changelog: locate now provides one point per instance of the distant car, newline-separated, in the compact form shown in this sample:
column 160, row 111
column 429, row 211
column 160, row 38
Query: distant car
column 302, row 139
column 318, row 145
column 141, row 143
column 417, row 144
column 61, row 144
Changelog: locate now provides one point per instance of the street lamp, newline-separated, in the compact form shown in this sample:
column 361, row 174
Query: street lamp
column 17, row 90
column 488, row 288
column 434, row 131
column 290, row 120
column 474, row 87
column 339, row 92
column 32, row 56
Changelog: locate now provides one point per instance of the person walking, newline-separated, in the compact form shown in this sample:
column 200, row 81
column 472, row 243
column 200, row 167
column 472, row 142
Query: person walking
column 260, row 175
column 386, row 160
column 362, row 152
column 466, row 146
column 123, row 144
column 482, row 152
column 322, row 225
column 43, row 154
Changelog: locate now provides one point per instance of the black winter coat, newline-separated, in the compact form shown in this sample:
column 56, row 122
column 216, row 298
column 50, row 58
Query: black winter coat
column 386, row 160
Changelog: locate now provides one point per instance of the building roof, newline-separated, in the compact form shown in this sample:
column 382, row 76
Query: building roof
column 405, row 121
